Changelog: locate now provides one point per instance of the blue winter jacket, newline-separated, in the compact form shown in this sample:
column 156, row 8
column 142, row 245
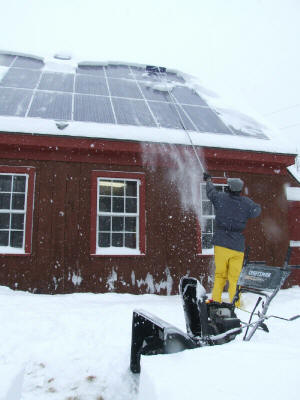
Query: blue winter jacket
column 232, row 213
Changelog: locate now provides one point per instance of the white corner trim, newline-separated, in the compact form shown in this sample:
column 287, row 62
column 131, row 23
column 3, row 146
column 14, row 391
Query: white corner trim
column 293, row 193
column 294, row 243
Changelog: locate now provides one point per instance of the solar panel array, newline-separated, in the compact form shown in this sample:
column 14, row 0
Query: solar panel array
column 114, row 94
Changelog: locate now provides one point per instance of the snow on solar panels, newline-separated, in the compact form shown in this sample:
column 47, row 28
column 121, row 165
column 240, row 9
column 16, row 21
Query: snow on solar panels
column 93, row 109
column 168, row 116
column 205, row 119
column 133, row 112
column 56, row 82
column 51, row 106
column 89, row 84
column 152, row 94
column 124, row 88
column 21, row 78
column 6, row 59
column 110, row 93
column 28, row 62
column 119, row 71
column 90, row 70
column 14, row 101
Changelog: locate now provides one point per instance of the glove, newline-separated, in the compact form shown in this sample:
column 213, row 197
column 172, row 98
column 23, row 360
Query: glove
column 206, row 176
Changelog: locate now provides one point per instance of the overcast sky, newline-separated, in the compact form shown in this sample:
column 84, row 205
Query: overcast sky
column 248, row 48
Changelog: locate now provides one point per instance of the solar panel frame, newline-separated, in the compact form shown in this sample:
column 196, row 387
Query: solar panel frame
column 119, row 71
column 185, row 95
column 93, row 109
column 151, row 93
column 14, row 102
column 167, row 116
column 97, row 70
column 51, row 105
column 28, row 62
column 90, row 84
column 133, row 112
column 21, row 78
column 124, row 88
column 206, row 120
column 6, row 59
column 56, row 81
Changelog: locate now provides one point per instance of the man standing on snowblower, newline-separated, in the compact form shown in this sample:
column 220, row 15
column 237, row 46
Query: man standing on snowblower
column 232, row 213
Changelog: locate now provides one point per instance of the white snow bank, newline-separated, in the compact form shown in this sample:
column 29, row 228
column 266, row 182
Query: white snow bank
column 77, row 346
column 16, row 386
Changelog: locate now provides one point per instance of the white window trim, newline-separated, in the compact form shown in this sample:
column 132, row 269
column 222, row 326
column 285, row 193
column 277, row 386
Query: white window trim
column 209, row 251
column 9, row 249
column 294, row 243
column 112, row 250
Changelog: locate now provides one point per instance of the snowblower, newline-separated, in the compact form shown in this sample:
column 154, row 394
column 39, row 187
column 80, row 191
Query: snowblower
column 208, row 323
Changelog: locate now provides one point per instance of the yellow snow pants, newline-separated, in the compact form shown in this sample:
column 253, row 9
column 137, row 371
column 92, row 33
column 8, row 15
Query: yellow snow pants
column 228, row 267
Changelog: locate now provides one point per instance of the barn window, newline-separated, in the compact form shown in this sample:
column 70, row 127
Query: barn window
column 118, row 213
column 208, row 217
column 16, row 207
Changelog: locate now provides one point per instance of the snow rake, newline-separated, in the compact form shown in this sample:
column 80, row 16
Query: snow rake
column 208, row 323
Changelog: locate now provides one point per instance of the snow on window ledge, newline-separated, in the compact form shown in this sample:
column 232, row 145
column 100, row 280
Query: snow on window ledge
column 206, row 252
column 11, row 250
column 117, row 251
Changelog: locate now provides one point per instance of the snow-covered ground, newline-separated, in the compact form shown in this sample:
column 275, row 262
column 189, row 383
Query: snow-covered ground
column 77, row 347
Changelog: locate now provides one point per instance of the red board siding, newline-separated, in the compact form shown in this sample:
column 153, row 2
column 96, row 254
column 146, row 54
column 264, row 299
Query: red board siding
column 294, row 220
column 61, row 259
column 294, row 230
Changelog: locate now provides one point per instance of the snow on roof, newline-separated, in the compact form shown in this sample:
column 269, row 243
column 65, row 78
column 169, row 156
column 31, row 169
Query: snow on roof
column 117, row 100
column 294, row 170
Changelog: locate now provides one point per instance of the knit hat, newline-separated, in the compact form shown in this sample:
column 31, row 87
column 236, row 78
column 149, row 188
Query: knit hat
column 235, row 184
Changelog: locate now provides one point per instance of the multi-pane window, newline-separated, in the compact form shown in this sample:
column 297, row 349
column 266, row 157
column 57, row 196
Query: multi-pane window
column 208, row 217
column 117, row 213
column 119, row 226
column 13, row 199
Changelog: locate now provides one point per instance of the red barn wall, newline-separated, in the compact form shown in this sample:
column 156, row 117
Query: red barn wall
column 61, row 228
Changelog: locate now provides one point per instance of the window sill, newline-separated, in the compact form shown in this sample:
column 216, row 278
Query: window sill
column 13, row 253
column 206, row 252
column 117, row 252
